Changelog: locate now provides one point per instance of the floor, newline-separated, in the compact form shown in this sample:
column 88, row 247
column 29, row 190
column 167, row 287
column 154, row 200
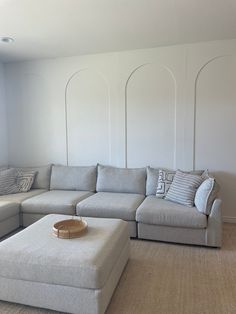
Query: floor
column 171, row 279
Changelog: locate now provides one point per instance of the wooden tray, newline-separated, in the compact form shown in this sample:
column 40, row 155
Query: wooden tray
column 70, row 228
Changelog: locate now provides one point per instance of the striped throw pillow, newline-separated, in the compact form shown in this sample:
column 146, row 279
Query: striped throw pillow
column 183, row 188
column 8, row 184
column 25, row 179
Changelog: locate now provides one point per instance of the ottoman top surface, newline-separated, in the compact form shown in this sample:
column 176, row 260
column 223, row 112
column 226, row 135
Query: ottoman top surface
column 35, row 254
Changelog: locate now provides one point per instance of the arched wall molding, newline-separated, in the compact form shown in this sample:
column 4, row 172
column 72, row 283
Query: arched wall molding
column 66, row 108
column 126, row 106
column 195, row 101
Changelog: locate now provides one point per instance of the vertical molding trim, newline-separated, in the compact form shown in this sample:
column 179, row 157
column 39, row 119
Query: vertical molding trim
column 66, row 112
column 126, row 106
column 195, row 104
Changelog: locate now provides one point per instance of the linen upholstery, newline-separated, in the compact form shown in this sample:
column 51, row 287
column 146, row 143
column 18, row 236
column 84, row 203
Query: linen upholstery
column 152, row 180
column 8, row 209
column 73, row 178
column 110, row 205
column 183, row 188
column 56, row 201
column 155, row 211
column 20, row 197
column 46, row 259
column 121, row 180
column 64, row 298
column 42, row 177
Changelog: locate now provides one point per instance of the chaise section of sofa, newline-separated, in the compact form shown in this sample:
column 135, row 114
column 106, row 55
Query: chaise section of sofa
column 159, row 219
column 119, row 193
column 9, row 217
column 68, row 186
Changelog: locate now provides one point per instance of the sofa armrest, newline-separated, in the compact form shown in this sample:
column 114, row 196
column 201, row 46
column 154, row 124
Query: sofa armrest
column 214, row 227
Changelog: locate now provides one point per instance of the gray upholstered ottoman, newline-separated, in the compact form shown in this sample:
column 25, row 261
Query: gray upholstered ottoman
column 73, row 276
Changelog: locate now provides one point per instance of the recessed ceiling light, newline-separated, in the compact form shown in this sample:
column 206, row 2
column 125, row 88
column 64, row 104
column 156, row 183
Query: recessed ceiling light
column 6, row 40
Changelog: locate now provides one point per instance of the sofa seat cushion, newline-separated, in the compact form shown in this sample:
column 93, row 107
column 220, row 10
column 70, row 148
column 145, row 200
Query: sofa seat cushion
column 157, row 211
column 20, row 197
column 56, row 201
column 8, row 209
column 110, row 205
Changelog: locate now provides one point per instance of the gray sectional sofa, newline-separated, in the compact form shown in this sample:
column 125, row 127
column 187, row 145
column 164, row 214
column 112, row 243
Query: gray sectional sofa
column 109, row 192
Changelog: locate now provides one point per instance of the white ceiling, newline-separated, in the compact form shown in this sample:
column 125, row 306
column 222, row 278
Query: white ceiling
column 54, row 28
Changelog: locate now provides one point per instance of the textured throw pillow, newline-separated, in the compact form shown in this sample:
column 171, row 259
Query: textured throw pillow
column 183, row 188
column 165, row 179
column 206, row 193
column 8, row 184
column 25, row 179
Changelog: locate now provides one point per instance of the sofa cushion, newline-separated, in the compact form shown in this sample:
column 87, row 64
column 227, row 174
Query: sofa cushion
column 42, row 177
column 152, row 180
column 157, row 211
column 206, row 193
column 110, row 205
column 19, row 197
column 121, row 180
column 74, row 178
column 8, row 209
column 183, row 188
column 56, row 201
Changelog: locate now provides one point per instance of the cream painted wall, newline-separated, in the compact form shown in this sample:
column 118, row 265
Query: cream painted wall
column 3, row 120
column 171, row 106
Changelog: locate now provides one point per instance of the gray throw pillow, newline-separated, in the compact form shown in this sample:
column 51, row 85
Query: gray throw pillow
column 183, row 188
column 206, row 193
column 25, row 179
column 8, row 182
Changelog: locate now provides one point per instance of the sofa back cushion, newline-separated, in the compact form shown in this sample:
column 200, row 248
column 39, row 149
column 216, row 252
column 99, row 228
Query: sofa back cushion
column 152, row 181
column 74, row 178
column 121, row 180
column 42, row 177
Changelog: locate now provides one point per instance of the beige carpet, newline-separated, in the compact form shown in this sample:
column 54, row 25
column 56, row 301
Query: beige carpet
column 171, row 279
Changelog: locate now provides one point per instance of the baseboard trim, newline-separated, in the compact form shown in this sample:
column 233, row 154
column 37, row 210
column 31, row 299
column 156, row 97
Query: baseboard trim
column 229, row 219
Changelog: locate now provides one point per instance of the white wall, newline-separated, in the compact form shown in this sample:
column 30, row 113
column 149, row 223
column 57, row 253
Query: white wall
column 171, row 106
column 3, row 120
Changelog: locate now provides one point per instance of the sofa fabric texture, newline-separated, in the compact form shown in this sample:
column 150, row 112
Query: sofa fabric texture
column 155, row 211
column 20, row 197
column 74, row 178
column 56, row 201
column 8, row 209
column 121, row 180
column 152, row 181
column 110, row 205
column 47, row 259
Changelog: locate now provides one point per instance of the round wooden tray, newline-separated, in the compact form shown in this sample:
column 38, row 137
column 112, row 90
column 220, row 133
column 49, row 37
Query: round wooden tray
column 70, row 228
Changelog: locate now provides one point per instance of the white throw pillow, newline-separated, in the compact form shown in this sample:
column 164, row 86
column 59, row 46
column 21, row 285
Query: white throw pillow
column 206, row 193
column 183, row 188
column 165, row 178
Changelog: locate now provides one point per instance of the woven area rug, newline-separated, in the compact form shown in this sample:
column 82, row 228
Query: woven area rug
column 171, row 279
